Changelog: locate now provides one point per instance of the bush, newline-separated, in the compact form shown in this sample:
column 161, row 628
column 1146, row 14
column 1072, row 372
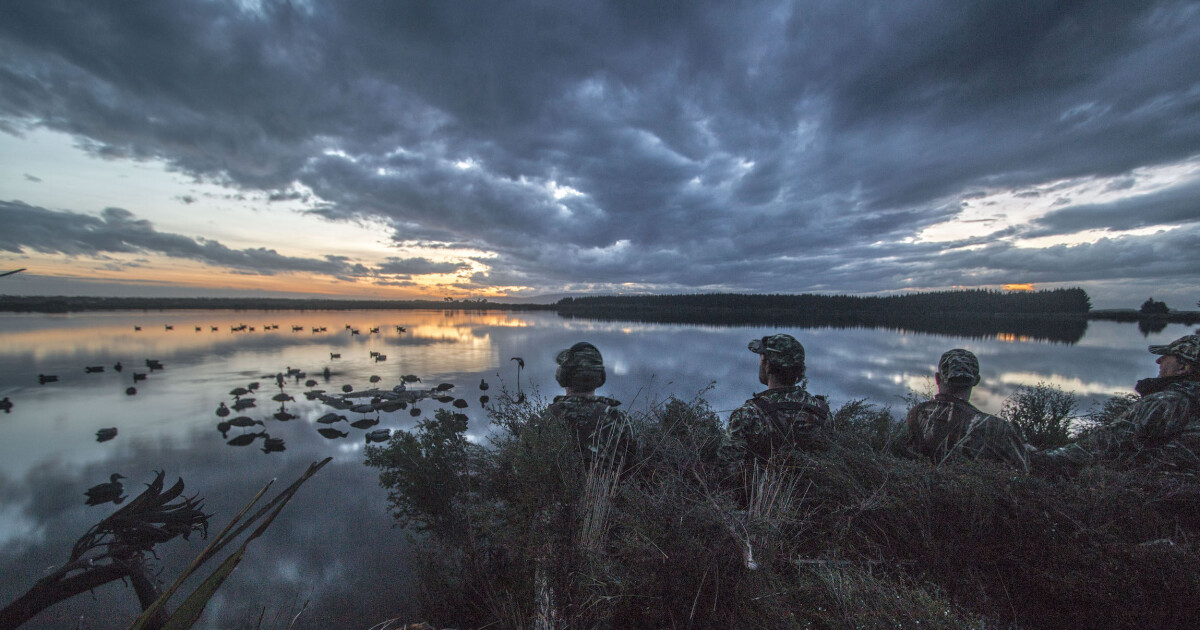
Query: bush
column 1042, row 413
column 526, row 532
column 1152, row 307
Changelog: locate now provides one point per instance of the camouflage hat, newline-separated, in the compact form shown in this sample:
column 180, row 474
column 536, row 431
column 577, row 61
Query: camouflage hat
column 959, row 367
column 580, row 366
column 1186, row 348
column 781, row 349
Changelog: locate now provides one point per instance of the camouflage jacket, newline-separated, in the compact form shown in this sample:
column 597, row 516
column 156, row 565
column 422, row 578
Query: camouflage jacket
column 781, row 418
column 596, row 423
column 1164, row 424
column 948, row 426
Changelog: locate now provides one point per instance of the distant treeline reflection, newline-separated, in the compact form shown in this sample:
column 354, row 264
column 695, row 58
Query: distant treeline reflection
column 1058, row 315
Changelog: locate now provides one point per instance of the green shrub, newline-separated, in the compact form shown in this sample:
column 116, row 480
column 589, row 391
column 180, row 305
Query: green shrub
column 1042, row 413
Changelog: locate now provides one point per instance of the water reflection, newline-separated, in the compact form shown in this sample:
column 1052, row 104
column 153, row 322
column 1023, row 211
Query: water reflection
column 335, row 543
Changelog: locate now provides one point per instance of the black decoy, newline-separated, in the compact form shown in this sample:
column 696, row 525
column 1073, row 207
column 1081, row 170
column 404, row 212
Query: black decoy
column 137, row 329
column 460, row 403
column 252, row 386
column 246, row 438
column 410, row 378
column 281, row 397
column 138, row 377
column 131, row 391
column 400, row 329
column 310, row 383
column 375, row 378
column 379, row 435
column 391, row 405
column 330, row 418
column 154, row 364
column 444, row 399
column 106, row 492
column 238, row 392
column 284, row 416
column 364, row 408
column 380, row 357
column 222, row 410
column 335, row 355
column 365, row 423
column 168, row 327
column 197, row 329
column 332, row 434
column 223, row 427
column 46, row 378
column 483, row 400
column 483, row 385
column 326, row 373
column 92, row 369
column 106, row 434
column 273, row 445
column 245, row 421
column 441, row 387
column 243, row 403
column 6, row 405
column 414, row 412
column 347, row 388
column 118, row 367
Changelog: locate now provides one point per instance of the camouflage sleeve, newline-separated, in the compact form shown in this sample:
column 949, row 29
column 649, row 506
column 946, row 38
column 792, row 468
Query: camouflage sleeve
column 996, row 439
column 743, row 423
column 1157, row 419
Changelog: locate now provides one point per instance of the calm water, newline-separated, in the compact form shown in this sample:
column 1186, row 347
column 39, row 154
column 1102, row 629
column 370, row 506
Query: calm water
column 334, row 545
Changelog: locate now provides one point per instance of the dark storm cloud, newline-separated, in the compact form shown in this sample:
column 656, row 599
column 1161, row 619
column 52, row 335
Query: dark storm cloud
column 765, row 146
column 417, row 266
column 1172, row 206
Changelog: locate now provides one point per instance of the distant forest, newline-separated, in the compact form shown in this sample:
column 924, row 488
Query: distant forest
column 1054, row 315
column 67, row 304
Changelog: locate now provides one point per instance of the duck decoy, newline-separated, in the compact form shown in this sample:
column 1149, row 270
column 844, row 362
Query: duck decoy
column 197, row 329
column 444, row 399
column 137, row 329
column 252, row 386
column 364, row 408
column 460, row 403
column 310, row 383
column 214, row 328
column 92, row 369
column 335, row 355
column 168, row 327
column 380, row 357
column 391, row 405
column 243, row 403
column 131, row 391
column 238, row 392
column 223, row 427
column 331, row 434
column 374, row 330
column 414, row 412
column 118, row 367
column 330, row 418
column 246, row 438
column 222, row 410
column 365, row 423
column 154, row 364
column 273, row 445
column 483, row 400
column 326, row 373
column 347, row 388
column 284, row 416
column 47, row 378
column 483, row 385
column 245, row 421
column 6, row 405
column 379, row 435
column 441, row 387
column 106, row 434
column 410, row 378
column 106, row 492
column 401, row 329
column 281, row 397
column 138, row 377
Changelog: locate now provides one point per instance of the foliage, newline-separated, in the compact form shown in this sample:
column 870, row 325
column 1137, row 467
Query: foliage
column 1042, row 413
column 1152, row 307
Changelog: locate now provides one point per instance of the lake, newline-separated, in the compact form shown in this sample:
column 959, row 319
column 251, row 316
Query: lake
column 334, row 552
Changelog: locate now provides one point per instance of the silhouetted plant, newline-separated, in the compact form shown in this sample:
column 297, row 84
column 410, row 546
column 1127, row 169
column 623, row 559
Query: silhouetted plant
column 1043, row 414
column 1153, row 307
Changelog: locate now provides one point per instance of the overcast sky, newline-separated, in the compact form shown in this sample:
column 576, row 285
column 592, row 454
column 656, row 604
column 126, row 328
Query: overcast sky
column 486, row 149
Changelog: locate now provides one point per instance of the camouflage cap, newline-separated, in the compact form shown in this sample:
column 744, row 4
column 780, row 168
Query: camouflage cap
column 580, row 366
column 1186, row 348
column 780, row 349
column 959, row 367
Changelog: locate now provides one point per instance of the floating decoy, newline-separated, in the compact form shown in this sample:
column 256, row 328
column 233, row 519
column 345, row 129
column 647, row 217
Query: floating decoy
column 273, row 445
column 137, row 329
column 410, row 378
column 118, row 367
column 281, row 397
column 375, row 378
column 363, row 408
column 154, row 364
column 332, row 434
column 168, row 327
column 223, row 427
column 284, row 416
column 400, row 329
column 251, row 329
column 483, row 400
column 92, row 369
column 330, row 418
column 245, row 421
column 365, row 423
column 400, row 388
column 310, row 383
column 414, row 412
column 238, row 392
column 106, row 434
column 380, row 357
column 279, row 380
column 483, row 385
column 374, row 330
column 214, row 328
column 222, row 410
column 243, row 403
column 246, row 438
column 347, row 388
column 379, row 435
column 392, row 405
column 106, row 492
column 46, row 378
column 460, row 403
column 197, row 329
column 441, row 387
column 353, row 331
column 444, row 399
column 138, row 377
column 6, row 405
column 131, row 391
column 326, row 373
column 252, row 386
